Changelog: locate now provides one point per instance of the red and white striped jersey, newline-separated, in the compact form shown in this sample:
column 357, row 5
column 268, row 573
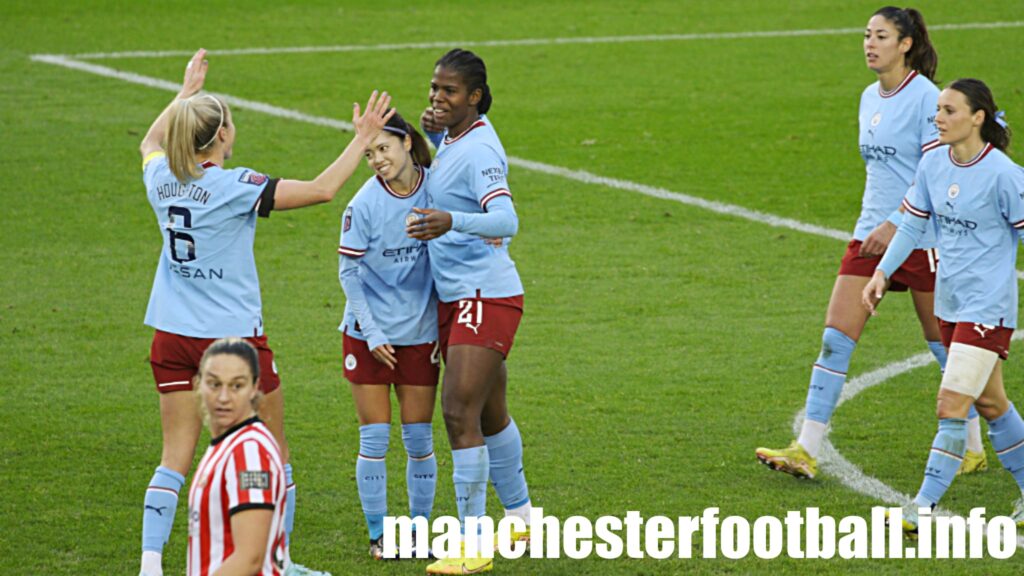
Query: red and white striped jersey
column 241, row 470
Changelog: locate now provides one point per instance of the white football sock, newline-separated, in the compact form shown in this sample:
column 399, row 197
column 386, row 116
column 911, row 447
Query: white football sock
column 974, row 435
column 152, row 563
column 812, row 434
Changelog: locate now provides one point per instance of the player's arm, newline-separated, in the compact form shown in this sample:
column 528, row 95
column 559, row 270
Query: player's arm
column 250, row 529
column 907, row 236
column 298, row 193
column 195, row 76
column 878, row 240
column 497, row 219
column 352, row 284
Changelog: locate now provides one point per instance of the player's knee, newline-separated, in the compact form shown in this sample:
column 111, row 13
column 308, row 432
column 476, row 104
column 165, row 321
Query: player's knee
column 373, row 440
column 836, row 349
column 418, row 439
column 991, row 408
column 951, row 404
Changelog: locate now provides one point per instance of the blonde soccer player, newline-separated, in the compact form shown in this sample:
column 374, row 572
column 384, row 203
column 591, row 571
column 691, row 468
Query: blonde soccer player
column 206, row 286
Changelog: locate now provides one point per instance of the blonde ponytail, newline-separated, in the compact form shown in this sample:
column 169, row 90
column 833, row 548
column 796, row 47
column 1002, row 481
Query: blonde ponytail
column 192, row 126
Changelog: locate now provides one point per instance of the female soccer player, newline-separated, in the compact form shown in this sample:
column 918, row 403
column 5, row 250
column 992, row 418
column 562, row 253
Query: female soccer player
column 390, row 325
column 479, row 290
column 206, row 285
column 237, row 500
column 976, row 195
column 896, row 128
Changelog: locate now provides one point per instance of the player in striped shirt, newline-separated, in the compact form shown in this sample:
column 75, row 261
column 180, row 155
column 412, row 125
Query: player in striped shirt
column 479, row 289
column 237, row 500
column 971, row 194
column 206, row 286
column 390, row 323
column 896, row 127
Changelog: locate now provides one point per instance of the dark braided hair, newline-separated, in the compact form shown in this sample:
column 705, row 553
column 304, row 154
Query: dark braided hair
column 473, row 72
column 909, row 22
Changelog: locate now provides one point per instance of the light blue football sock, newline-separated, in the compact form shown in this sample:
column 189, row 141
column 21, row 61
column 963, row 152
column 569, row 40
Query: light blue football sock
column 470, row 470
column 372, row 476
column 506, row 461
column 947, row 453
column 829, row 374
column 1007, row 436
column 289, row 505
column 159, row 506
column 421, row 468
column 940, row 353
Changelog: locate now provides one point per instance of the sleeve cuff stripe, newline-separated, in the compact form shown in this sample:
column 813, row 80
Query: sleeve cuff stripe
column 251, row 506
column 494, row 194
column 1019, row 224
column 350, row 251
column 915, row 211
column 930, row 145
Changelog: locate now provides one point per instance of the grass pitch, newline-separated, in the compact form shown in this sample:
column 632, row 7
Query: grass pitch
column 661, row 343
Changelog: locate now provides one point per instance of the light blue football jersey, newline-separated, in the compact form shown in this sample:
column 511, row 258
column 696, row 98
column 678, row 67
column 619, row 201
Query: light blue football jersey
column 468, row 174
column 896, row 128
column 392, row 269
column 977, row 209
column 206, row 284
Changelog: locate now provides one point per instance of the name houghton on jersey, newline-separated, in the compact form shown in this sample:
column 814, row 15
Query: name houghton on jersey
column 177, row 190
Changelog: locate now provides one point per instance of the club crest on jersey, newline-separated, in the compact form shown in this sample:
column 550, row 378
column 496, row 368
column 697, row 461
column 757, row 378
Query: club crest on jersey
column 254, row 178
column 954, row 191
column 876, row 119
column 411, row 218
column 254, row 480
column 348, row 220
column 350, row 362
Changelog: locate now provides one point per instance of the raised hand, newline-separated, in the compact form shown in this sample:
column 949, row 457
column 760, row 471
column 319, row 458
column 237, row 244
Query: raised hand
column 195, row 74
column 369, row 124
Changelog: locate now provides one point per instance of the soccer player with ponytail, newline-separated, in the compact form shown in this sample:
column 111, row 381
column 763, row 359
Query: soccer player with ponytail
column 969, row 193
column 896, row 128
column 206, row 286
column 390, row 323
column 479, row 289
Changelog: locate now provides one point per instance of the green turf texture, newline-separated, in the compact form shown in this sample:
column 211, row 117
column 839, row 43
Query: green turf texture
column 661, row 343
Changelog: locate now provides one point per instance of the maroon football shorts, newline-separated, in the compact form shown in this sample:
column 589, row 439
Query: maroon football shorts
column 418, row 365
column 917, row 273
column 175, row 361
column 487, row 322
column 993, row 338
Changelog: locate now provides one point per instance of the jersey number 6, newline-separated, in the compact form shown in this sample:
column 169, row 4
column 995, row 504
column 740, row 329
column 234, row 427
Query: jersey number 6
column 190, row 242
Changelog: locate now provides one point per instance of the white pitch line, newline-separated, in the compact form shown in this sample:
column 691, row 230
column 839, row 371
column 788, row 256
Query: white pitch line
column 525, row 42
column 577, row 175
column 849, row 474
